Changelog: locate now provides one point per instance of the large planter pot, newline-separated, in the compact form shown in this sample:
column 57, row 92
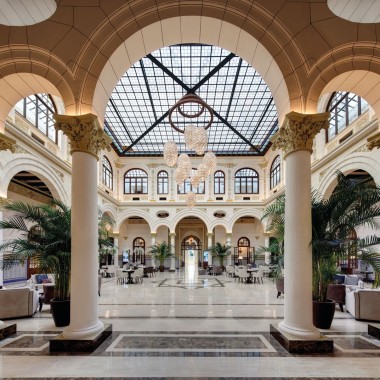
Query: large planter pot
column 161, row 268
column 323, row 314
column 60, row 310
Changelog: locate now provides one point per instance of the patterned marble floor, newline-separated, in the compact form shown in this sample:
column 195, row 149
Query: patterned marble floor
column 171, row 328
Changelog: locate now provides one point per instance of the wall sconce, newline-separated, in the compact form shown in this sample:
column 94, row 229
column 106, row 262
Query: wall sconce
column 257, row 237
column 125, row 237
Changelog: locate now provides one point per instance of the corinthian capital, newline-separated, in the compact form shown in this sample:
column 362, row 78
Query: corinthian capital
column 374, row 141
column 7, row 143
column 84, row 132
column 298, row 131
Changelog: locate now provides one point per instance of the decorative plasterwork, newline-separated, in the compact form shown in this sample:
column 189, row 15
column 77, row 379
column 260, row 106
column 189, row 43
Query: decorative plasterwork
column 374, row 141
column 84, row 132
column 3, row 202
column 298, row 131
column 6, row 143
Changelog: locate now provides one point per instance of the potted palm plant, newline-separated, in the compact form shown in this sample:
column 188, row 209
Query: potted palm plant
column 352, row 204
column 43, row 235
column 220, row 251
column 161, row 252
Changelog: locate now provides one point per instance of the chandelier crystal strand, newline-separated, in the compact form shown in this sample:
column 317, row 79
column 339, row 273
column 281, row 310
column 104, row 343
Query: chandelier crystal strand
column 179, row 177
column 194, row 179
column 170, row 153
column 209, row 160
column 200, row 141
column 202, row 172
column 190, row 199
column 184, row 165
column 190, row 132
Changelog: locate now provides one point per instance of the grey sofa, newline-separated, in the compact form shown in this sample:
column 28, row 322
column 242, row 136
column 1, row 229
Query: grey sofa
column 18, row 302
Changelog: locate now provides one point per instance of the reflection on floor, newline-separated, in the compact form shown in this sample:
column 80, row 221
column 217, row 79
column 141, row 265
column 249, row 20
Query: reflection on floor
column 204, row 328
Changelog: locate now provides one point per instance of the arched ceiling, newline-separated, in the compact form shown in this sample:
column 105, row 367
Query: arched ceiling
column 244, row 113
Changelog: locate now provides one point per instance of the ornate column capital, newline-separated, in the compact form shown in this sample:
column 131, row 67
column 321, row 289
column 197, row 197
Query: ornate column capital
column 172, row 234
column 115, row 234
column 298, row 131
column 374, row 141
column 84, row 132
column 6, row 143
column 210, row 233
column 153, row 234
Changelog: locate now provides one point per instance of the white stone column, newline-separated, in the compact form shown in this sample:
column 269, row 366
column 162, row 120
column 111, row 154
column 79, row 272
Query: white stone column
column 228, row 242
column 6, row 143
column 87, row 138
column 172, row 244
column 267, row 253
column 153, row 236
column 209, row 246
column 295, row 137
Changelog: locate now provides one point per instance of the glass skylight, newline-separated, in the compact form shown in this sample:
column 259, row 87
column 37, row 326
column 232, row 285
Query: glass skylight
column 245, row 116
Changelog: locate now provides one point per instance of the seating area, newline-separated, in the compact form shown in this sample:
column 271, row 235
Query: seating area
column 18, row 302
column 36, row 281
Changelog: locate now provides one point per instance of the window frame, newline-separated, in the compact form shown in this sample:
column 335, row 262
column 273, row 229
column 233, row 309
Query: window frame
column 107, row 173
column 187, row 187
column 218, row 181
column 136, row 180
column 162, row 181
column 275, row 172
column 245, row 181
column 37, row 100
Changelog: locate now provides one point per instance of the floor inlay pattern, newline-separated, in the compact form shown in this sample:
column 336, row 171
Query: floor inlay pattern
column 198, row 284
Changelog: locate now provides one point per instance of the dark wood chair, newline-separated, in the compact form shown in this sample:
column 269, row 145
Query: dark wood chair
column 337, row 293
column 48, row 294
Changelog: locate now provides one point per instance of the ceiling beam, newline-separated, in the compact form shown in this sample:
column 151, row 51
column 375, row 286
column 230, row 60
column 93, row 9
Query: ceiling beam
column 234, row 87
column 261, row 118
column 120, row 118
column 148, row 88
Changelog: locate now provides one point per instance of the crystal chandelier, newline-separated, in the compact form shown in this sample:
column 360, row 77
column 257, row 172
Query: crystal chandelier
column 195, row 139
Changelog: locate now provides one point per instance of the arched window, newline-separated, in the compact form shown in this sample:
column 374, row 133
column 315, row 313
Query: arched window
column 219, row 182
column 39, row 110
column 186, row 187
column 107, row 173
column 136, row 182
column 246, row 181
column 345, row 107
column 138, row 252
column 275, row 172
column 162, row 182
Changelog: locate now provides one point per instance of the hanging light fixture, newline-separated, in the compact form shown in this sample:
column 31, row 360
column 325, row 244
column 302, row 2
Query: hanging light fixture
column 170, row 153
column 209, row 160
column 191, row 106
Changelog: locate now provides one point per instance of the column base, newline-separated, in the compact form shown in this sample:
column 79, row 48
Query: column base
column 7, row 330
column 90, row 344
column 302, row 346
column 374, row 331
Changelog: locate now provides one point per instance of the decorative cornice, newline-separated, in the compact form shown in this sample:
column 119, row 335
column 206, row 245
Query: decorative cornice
column 298, row 131
column 7, row 143
column 84, row 132
column 374, row 141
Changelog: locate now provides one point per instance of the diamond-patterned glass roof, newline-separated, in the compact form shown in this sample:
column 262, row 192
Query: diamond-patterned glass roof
column 245, row 116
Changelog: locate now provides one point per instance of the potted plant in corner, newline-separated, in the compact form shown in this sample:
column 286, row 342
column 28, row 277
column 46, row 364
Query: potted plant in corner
column 43, row 235
column 161, row 252
column 351, row 205
column 220, row 251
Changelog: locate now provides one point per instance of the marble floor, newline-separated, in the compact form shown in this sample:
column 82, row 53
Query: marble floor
column 170, row 327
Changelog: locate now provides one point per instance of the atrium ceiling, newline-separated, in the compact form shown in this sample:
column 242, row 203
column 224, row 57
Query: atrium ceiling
column 244, row 112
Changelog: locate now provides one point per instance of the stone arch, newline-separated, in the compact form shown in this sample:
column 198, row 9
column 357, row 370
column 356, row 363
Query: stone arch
column 214, row 223
column 130, row 213
column 342, row 70
column 110, row 210
column 161, row 223
column 346, row 165
column 246, row 212
column 186, row 212
column 191, row 29
column 51, row 177
column 14, row 87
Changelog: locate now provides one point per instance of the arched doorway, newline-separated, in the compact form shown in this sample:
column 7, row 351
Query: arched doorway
column 26, row 187
column 191, row 250
column 138, row 251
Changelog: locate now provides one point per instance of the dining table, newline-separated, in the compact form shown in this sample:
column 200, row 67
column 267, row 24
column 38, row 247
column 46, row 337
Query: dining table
column 129, row 271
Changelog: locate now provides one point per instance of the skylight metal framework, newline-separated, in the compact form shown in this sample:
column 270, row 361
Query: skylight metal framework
column 245, row 116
